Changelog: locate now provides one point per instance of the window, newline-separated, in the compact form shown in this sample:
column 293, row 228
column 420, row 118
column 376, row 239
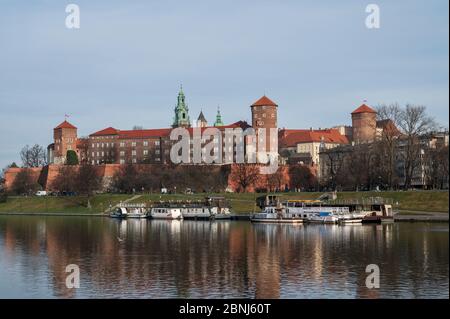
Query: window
column 112, row 144
column 133, row 143
column 157, row 159
column 145, row 143
column 134, row 161
column 157, row 143
column 157, row 151
column 93, row 145
column 98, row 144
column 103, row 145
column 98, row 153
column 122, row 144
column 133, row 152
column 122, row 161
column 122, row 153
column 103, row 154
column 107, row 144
column 145, row 152
column 93, row 154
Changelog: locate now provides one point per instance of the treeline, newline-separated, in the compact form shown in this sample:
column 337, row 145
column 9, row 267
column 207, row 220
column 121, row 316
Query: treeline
column 151, row 178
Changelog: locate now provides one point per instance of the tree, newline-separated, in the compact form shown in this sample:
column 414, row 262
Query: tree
column 71, row 158
column 87, row 181
column 65, row 181
column 413, row 122
column 386, row 146
column 245, row 175
column 302, row 178
column 275, row 180
column 126, row 178
column 34, row 156
column 24, row 183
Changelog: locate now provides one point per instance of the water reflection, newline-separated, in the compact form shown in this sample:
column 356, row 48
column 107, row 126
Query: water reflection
column 197, row 259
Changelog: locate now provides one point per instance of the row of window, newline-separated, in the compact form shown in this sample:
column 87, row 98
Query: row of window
column 272, row 115
column 122, row 144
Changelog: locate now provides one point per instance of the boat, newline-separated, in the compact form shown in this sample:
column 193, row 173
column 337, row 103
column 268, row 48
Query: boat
column 119, row 212
column 219, row 207
column 136, row 212
column 160, row 212
column 276, row 215
column 132, row 210
column 381, row 213
column 195, row 212
column 323, row 218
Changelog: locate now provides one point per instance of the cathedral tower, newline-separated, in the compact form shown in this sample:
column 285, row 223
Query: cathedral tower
column 181, row 118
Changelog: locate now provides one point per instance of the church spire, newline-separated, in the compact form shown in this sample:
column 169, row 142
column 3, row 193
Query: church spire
column 181, row 117
column 218, row 121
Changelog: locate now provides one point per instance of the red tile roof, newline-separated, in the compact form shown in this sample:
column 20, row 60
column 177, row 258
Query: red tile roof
column 107, row 131
column 290, row 138
column 144, row 133
column 264, row 101
column 65, row 124
column 364, row 109
column 130, row 134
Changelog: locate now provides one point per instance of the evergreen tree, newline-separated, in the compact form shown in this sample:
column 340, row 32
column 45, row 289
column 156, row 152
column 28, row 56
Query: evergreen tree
column 71, row 158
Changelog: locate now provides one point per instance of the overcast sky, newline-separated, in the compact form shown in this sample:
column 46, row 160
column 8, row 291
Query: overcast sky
column 125, row 64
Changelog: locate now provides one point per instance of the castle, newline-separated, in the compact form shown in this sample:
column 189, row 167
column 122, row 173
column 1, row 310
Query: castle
column 152, row 146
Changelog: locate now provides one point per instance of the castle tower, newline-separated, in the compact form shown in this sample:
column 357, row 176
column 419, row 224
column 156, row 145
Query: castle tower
column 201, row 120
column 65, row 139
column 181, row 118
column 218, row 121
column 364, row 124
column 264, row 116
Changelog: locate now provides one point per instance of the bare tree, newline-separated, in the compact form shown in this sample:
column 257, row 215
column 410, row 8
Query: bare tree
column 88, row 181
column 275, row 180
column 245, row 175
column 413, row 122
column 386, row 146
column 65, row 181
column 302, row 178
column 34, row 156
column 24, row 183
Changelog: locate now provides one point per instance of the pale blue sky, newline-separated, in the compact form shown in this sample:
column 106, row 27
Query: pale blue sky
column 123, row 67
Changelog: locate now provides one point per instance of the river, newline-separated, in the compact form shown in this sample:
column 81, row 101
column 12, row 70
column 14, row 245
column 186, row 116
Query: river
column 222, row 259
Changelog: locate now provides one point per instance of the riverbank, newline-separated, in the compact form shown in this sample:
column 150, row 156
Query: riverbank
column 409, row 204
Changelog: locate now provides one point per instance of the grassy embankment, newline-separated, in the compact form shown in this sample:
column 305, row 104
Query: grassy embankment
column 420, row 201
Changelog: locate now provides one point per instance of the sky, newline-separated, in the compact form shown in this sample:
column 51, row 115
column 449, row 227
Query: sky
column 126, row 62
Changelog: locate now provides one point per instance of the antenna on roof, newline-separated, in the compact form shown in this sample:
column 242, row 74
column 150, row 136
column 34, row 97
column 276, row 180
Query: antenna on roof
column 66, row 116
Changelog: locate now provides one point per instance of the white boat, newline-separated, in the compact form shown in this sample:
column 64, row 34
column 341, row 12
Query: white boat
column 276, row 215
column 136, row 212
column 323, row 218
column 119, row 212
column 220, row 212
column 197, row 212
column 165, row 213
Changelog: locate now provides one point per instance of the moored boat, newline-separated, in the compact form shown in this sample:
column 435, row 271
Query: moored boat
column 276, row 215
column 165, row 213
column 119, row 212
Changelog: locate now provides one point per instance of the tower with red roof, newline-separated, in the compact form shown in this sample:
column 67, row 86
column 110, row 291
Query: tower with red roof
column 65, row 138
column 264, row 116
column 364, row 124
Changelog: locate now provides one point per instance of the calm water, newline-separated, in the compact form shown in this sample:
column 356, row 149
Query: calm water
column 189, row 259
